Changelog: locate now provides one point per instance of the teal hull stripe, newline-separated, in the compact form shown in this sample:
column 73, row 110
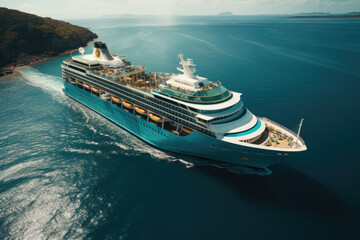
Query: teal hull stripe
column 255, row 128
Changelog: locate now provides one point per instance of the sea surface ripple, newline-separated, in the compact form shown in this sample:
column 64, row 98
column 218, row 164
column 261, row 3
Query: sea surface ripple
column 68, row 173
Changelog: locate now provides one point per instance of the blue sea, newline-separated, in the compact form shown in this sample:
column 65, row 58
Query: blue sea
column 68, row 173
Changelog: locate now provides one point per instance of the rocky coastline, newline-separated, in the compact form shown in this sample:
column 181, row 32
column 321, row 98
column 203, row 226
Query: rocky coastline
column 27, row 39
column 25, row 60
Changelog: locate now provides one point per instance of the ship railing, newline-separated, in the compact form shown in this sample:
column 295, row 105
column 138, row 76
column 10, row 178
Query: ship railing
column 139, row 69
column 159, row 108
column 169, row 106
column 281, row 126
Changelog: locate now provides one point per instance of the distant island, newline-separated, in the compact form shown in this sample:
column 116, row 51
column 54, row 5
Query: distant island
column 313, row 14
column 26, row 39
column 118, row 15
column 327, row 15
column 226, row 14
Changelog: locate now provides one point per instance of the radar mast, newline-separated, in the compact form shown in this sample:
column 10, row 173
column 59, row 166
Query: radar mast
column 188, row 66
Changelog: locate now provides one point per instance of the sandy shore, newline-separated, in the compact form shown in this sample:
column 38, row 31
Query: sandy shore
column 31, row 60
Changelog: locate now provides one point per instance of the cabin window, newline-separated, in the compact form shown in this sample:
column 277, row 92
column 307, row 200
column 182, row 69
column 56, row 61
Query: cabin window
column 80, row 63
column 78, row 69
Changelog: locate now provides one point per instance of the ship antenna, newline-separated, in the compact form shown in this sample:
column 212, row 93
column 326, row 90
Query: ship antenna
column 186, row 66
column 298, row 134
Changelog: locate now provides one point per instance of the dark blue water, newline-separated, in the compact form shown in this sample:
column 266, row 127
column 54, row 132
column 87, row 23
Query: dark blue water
column 66, row 172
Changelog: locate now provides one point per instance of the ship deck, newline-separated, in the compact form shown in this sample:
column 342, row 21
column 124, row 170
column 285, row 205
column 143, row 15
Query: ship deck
column 276, row 139
column 130, row 75
column 277, row 136
column 273, row 137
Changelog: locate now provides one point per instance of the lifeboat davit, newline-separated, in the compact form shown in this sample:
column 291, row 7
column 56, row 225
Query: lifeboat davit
column 115, row 99
column 105, row 96
column 86, row 85
column 187, row 130
column 128, row 105
column 72, row 81
column 155, row 117
column 140, row 110
column 95, row 89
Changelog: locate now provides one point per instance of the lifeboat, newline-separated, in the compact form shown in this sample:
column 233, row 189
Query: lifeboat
column 140, row 110
column 115, row 99
column 86, row 85
column 95, row 89
column 155, row 117
column 127, row 104
column 187, row 130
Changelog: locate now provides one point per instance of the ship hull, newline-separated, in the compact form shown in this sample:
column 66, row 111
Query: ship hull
column 194, row 144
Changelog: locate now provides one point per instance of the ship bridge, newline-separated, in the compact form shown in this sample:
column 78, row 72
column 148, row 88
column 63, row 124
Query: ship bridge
column 194, row 89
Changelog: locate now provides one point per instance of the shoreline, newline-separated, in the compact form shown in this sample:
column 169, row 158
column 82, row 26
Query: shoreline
column 327, row 16
column 32, row 60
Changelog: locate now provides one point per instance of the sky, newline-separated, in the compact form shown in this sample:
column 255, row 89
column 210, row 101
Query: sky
column 67, row 9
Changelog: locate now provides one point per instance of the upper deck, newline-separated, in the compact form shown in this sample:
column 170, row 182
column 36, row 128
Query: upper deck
column 208, row 94
column 193, row 91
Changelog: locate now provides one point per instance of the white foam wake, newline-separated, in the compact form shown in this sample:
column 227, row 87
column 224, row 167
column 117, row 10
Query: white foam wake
column 120, row 137
column 49, row 83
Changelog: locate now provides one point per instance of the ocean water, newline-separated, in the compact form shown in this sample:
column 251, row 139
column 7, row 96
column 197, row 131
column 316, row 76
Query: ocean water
column 68, row 173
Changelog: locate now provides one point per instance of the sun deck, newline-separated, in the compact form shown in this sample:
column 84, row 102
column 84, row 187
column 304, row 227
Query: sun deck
column 128, row 74
column 278, row 136
column 275, row 139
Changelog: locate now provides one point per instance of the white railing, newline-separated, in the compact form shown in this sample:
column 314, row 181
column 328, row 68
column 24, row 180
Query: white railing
column 281, row 126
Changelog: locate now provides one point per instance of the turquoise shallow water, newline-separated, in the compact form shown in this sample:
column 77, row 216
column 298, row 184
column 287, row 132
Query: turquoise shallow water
column 66, row 172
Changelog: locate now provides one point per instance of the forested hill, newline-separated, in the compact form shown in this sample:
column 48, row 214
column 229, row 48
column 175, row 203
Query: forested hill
column 28, row 34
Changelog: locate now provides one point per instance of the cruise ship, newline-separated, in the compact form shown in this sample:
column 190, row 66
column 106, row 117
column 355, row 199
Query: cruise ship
column 182, row 113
